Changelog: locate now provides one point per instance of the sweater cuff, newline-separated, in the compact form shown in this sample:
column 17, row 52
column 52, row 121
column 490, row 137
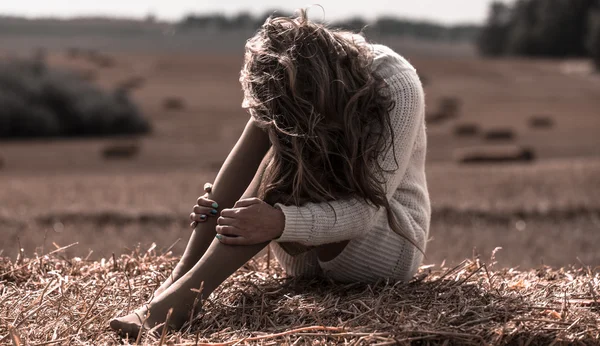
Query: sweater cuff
column 299, row 224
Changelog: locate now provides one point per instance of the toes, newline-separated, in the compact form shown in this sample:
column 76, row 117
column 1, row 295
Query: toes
column 125, row 329
column 120, row 327
column 115, row 324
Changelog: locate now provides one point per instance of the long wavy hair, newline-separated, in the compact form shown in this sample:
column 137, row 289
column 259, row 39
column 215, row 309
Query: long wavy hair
column 312, row 89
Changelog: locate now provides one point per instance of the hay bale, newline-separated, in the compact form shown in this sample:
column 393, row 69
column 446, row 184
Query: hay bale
column 494, row 154
column 450, row 105
column 173, row 103
column 541, row 122
column 121, row 151
column 466, row 130
column 499, row 134
column 436, row 117
column 448, row 108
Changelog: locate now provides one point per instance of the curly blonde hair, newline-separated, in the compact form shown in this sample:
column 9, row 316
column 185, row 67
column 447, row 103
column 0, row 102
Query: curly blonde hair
column 312, row 89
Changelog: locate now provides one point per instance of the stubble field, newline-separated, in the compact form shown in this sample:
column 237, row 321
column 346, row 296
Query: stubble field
column 113, row 227
column 545, row 211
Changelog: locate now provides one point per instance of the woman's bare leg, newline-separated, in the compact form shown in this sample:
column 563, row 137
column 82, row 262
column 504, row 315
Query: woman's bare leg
column 217, row 264
column 232, row 180
column 214, row 262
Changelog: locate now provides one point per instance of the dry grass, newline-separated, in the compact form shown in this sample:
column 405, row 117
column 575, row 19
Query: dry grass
column 54, row 300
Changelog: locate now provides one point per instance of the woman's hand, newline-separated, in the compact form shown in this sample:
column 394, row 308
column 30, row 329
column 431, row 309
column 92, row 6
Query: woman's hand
column 250, row 221
column 204, row 208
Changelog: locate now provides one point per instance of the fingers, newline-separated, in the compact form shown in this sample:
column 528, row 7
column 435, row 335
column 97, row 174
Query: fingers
column 198, row 217
column 228, row 230
column 206, row 202
column 240, row 210
column 232, row 240
column 247, row 202
column 206, row 207
column 207, row 187
column 205, row 210
column 230, row 213
column 227, row 221
column 201, row 214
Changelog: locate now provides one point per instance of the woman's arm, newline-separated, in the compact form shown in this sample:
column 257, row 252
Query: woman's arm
column 324, row 223
column 235, row 176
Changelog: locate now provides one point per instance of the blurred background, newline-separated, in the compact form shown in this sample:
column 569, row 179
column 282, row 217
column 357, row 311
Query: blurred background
column 114, row 114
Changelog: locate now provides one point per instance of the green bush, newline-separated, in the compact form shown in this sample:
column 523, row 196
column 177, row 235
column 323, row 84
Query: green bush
column 36, row 101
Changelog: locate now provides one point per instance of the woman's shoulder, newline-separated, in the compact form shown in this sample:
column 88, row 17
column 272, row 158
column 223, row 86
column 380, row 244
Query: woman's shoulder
column 387, row 63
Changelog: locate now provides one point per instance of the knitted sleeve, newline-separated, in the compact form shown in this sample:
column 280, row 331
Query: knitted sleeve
column 323, row 223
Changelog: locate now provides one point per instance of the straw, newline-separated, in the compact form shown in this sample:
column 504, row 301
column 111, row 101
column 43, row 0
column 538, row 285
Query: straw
column 71, row 301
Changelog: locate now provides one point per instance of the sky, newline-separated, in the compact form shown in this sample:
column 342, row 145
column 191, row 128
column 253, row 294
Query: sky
column 444, row 11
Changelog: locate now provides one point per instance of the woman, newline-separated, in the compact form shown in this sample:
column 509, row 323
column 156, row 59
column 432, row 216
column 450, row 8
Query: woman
column 331, row 162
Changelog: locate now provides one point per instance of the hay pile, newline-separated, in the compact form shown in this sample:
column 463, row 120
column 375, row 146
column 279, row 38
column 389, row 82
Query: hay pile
column 49, row 299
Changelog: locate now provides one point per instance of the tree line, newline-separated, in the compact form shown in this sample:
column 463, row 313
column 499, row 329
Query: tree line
column 543, row 28
column 382, row 26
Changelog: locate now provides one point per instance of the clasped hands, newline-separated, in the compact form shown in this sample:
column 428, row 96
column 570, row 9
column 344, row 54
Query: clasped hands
column 250, row 221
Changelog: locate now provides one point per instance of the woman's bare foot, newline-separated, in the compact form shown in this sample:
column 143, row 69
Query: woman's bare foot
column 131, row 325
column 182, row 296
column 141, row 320
column 185, row 295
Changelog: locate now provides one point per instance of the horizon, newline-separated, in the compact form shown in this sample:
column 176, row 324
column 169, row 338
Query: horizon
column 448, row 13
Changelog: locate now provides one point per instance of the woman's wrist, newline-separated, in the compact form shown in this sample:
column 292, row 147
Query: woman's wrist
column 279, row 222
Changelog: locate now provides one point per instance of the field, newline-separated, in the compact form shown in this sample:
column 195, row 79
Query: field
column 545, row 212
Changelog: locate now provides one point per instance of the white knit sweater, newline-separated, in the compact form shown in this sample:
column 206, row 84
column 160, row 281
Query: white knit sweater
column 406, row 187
